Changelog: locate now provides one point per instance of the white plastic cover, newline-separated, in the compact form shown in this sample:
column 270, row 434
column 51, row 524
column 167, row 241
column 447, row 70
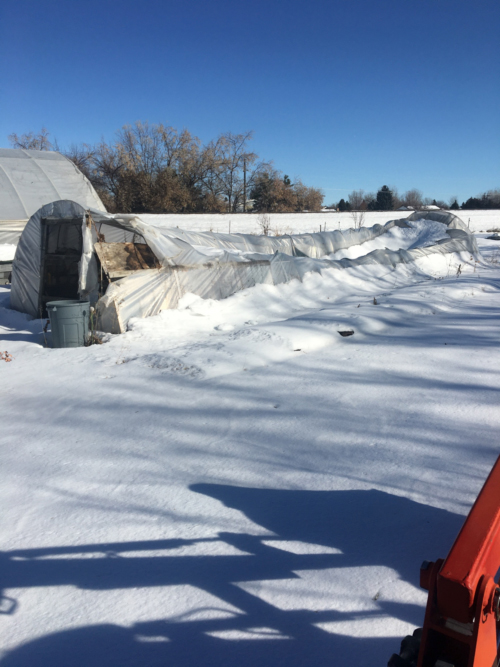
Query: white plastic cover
column 31, row 179
column 11, row 230
column 207, row 264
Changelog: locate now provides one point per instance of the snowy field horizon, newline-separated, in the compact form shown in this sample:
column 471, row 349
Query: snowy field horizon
column 301, row 223
column 234, row 482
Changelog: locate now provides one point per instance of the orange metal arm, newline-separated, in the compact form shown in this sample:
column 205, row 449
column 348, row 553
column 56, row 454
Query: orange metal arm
column 460, row 627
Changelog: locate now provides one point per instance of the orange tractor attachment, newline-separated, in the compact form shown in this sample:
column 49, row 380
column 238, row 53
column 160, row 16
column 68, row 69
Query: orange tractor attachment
column 463, row 607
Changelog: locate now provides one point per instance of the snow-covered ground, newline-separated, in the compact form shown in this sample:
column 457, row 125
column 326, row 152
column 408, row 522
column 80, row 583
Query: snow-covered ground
column 298, row 223
column 7, row 251
column 234, row 483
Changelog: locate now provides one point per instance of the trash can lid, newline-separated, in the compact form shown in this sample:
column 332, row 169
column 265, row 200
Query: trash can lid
column 66, row 302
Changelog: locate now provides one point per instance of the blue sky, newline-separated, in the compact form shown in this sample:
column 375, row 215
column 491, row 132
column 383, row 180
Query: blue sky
column 344, row 94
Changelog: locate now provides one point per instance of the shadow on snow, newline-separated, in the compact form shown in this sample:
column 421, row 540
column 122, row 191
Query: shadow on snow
column 369, row 528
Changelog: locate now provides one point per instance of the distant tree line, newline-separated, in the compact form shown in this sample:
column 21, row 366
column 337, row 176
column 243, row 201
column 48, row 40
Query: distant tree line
column 154, row 168
column 388, row 199
column 490, row 199
column 159, row 169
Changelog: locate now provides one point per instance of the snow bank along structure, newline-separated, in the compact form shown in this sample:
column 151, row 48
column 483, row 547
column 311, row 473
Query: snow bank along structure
column 130, row 268
column 30, row 179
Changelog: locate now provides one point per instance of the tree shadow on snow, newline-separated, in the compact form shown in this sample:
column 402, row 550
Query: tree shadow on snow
column 367, row 528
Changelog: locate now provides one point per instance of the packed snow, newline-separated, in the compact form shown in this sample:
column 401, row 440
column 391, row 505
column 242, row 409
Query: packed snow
column 418, row 234
column 235, row 483
column 7, row 251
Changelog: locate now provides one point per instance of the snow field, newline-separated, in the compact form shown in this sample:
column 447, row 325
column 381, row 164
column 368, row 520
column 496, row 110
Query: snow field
column 7, row 251
column 233, row 482
column 299, row 223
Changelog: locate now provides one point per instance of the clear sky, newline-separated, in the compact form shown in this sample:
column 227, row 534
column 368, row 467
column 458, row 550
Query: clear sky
column 345, row 94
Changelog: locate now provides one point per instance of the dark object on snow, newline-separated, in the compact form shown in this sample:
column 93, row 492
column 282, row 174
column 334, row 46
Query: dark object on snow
column 350, row 332
column 494, row 237
column 408, row 655
column 69, row 322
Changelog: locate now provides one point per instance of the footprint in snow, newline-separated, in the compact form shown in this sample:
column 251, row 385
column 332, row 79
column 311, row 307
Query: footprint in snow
column 168, row 364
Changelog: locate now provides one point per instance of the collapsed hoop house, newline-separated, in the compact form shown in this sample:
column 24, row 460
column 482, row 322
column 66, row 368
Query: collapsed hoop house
column 131, row 268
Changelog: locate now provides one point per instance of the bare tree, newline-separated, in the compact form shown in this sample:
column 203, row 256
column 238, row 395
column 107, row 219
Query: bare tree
column 413, row 198
column 369, row 197
column 229, row 157
column 494, row 197
column 396, row 199
column 271, row 192
column 107, row 175
column 161, row 169
column 82, row 156
column 308, row 199
column 141, row 148
column 358, row 218
column 156, row 168
column 31, row 141
column 152, row 168
column 356, row 199
column 264, row 222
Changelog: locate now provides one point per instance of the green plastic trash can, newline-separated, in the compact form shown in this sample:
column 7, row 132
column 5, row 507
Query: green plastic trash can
column 69, row 322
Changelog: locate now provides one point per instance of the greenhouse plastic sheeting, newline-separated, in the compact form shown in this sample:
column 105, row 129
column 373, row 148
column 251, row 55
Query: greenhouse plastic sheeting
column 207, row 264
column 26, row 268
column 11, row 230
column 29, row 179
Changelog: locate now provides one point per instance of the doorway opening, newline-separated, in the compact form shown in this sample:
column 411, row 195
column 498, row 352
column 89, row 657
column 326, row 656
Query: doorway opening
column 61, row 247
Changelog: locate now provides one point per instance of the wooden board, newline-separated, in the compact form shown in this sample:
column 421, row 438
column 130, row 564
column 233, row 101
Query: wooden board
column 122, row 259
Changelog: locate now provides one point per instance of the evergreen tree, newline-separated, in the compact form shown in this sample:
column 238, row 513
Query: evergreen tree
column 454, row 206
column 472, row 203
column 272, row 194
column 385, row 200
column 343, row 205
column 488, row 200
column 263, row 192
